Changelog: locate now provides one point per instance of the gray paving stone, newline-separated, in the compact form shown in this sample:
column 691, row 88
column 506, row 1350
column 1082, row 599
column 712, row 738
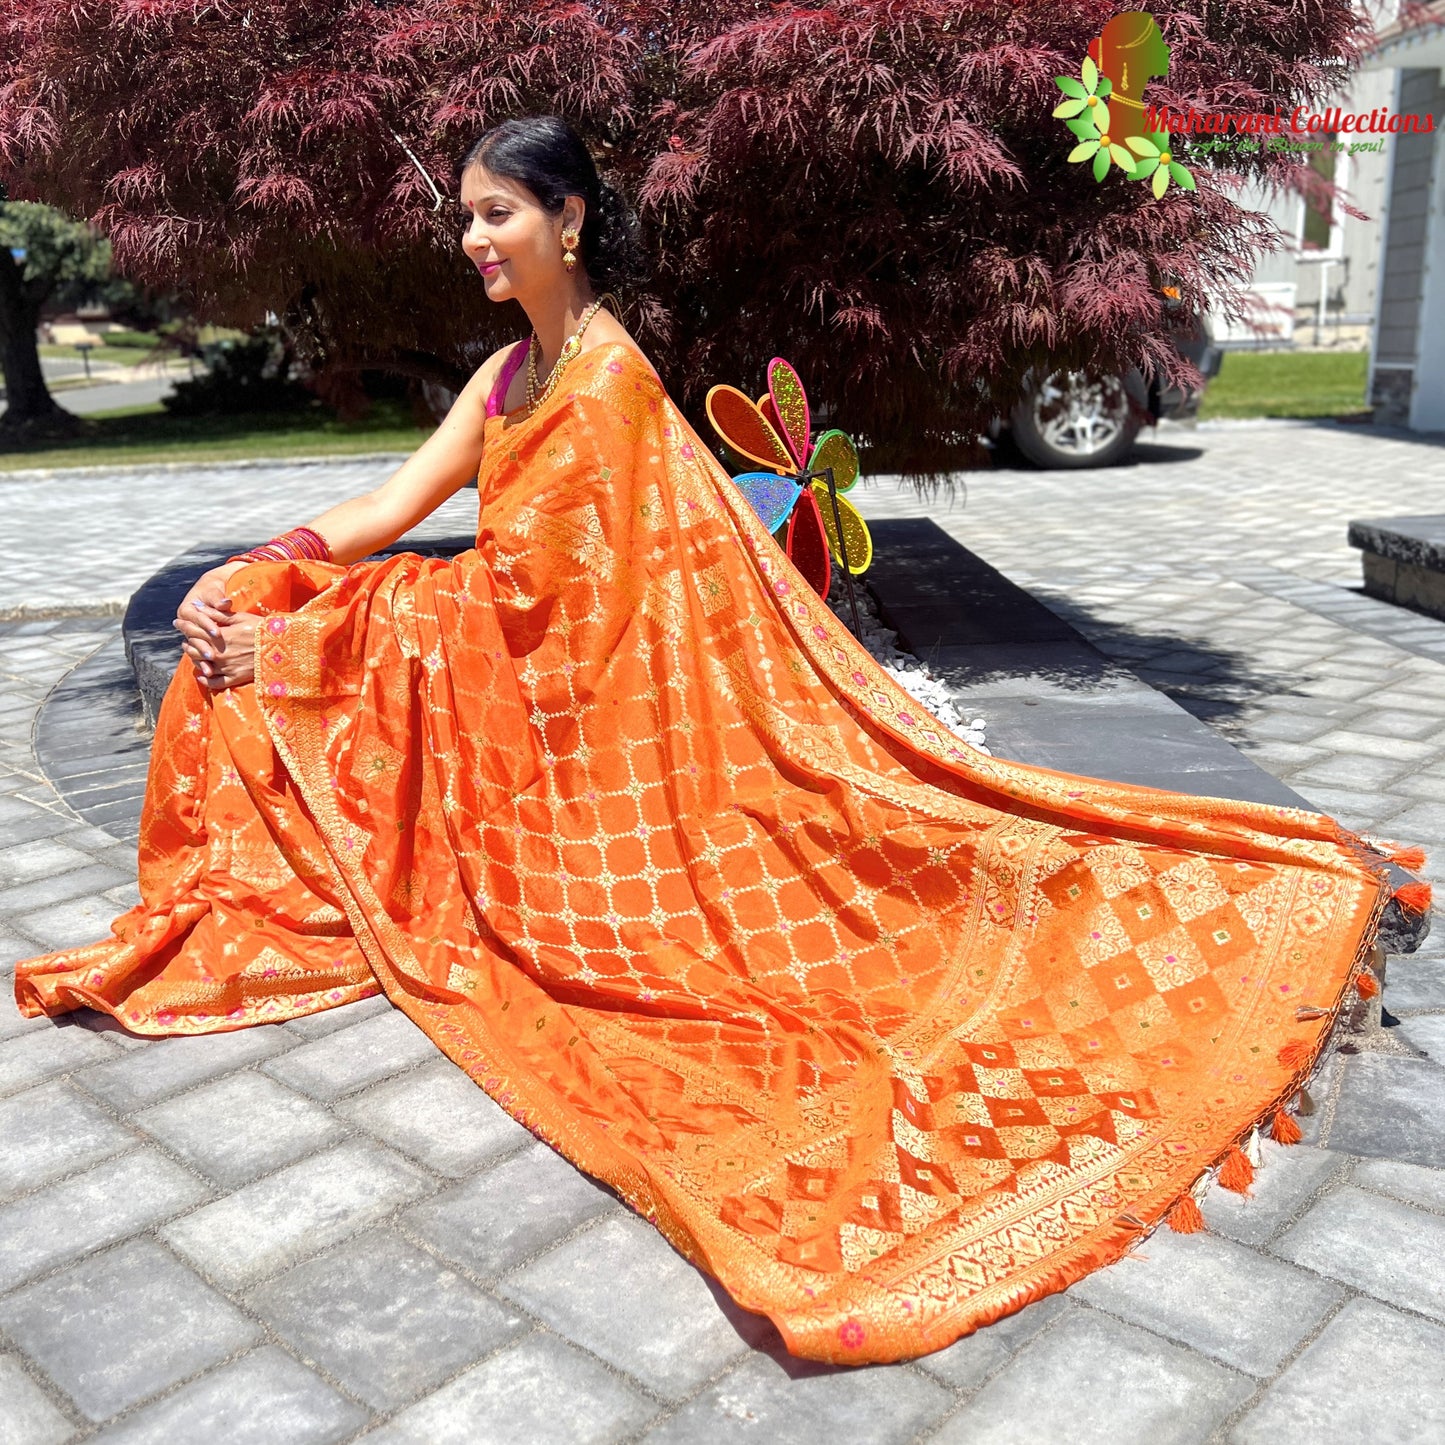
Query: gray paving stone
column 40, row 860
column 41, row 1054
column 1387, row 1249
column 972, row 1359
column 1427, row 1033
column 440, row 1117
column 1350, row 770
column 1415, row 983
column 540, row 1392
column 122, row 1326
column 1391, row 1108
column 620, row 1290
column 50, row 1131
column 27, row 1416
column 70, row 924
column 1287, row 1178
column 13, row 948
column 264, row 1398
column 87, row 1211
column 1381, row 745
column 290, row 1215
column 58, row 887
column 1215, row 1296
column 342, row 1016
column 1288, row 727
column 383, row 1319
column 779, row 1398
column 352, row 1058
column 497, row 1219
column 1423, row 823
column 1399, row 1399
column 1093, row 1381
column 1410, row 1182
column 167, row 1066
column 1396, row 722
column 240, row 1126
column 1427, row 785
column 36, row 823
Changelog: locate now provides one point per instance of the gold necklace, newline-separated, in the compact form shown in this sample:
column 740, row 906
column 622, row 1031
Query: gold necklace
column 570, row 348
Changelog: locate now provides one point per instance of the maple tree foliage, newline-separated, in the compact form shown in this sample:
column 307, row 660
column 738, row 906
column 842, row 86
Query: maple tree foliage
column 874, row 189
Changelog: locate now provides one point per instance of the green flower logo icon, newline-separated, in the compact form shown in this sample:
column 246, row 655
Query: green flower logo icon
column 1155, row 160
column 1086, row 100
column 1086, row 112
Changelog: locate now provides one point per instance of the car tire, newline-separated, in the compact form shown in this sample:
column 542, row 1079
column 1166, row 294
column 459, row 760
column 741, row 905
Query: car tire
column 1075, row 419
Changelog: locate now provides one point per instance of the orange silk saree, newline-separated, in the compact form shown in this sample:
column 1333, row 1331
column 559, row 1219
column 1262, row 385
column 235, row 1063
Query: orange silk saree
column 889, row 1035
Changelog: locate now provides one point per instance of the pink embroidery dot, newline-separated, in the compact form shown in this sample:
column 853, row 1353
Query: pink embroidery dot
column 277, row 625
column 687, row 451
column 277, row 689
column 851, row 1334
column 615, row 366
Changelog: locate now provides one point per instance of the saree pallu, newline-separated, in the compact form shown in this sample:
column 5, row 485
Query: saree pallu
column 889, row 1035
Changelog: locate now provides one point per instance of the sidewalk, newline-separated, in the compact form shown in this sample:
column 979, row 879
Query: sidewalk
column 323, row 1231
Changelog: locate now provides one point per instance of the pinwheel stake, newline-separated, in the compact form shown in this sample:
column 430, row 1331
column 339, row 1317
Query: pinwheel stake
column 826, row 473
column 775, row 432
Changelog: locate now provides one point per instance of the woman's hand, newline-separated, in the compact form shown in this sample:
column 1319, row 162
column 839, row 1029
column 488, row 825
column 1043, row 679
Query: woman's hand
column 203, row 619
column 228, row 659
column 206, row 606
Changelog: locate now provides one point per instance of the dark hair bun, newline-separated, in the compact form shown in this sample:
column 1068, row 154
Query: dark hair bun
column 612, row 248
column 547, row 155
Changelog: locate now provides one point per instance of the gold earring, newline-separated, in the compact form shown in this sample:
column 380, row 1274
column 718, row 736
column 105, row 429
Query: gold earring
column 570, row 238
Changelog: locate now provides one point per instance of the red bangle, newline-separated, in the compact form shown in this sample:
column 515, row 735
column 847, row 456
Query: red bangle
column 300, row 544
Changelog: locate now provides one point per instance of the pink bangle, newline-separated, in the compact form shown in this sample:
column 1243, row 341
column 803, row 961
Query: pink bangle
column 300, row 544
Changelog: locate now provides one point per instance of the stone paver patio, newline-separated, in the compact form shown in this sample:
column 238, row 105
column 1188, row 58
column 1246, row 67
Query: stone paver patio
column 322, row 1231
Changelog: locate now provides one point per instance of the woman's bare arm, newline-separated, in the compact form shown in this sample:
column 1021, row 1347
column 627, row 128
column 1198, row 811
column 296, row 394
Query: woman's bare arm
column 354, row 528
column 438, row 468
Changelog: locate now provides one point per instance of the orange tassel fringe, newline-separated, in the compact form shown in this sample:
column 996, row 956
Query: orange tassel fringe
column 1366, row 984
column 1414, row 897
column 1284, row 1130
column 1412, row 860
column 1236, row 1173
column 1185, row 1217
column 1294, row 1055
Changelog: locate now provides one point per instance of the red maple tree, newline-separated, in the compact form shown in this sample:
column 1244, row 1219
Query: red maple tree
column 874, row 189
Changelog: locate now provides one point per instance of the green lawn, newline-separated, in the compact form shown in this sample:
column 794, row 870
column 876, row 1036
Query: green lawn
column 151, row 434
column 1287, row 384
column 122, row 355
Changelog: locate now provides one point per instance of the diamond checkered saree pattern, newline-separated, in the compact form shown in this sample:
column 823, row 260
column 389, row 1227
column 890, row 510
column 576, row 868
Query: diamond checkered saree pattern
column 889, row 1035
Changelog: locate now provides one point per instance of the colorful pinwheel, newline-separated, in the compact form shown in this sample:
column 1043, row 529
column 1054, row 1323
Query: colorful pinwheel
column 811, row 522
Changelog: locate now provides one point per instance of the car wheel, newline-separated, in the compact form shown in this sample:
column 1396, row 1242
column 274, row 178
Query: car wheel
column 1075, row 419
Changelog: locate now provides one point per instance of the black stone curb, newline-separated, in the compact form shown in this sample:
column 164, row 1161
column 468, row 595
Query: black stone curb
column 1414, row 541
column 93, row 742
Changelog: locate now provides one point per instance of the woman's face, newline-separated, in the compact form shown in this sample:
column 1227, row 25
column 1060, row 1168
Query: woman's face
column 512, row 241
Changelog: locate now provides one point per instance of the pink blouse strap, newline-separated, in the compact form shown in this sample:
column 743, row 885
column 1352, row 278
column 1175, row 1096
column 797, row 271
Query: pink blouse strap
column 510, row 367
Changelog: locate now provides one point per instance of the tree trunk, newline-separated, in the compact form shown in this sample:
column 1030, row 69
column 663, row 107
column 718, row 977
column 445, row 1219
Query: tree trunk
column 30, row 410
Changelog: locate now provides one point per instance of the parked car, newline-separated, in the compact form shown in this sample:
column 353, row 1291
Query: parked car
column 1091, row 419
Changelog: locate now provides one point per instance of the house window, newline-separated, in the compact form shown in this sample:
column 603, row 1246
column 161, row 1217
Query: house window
column 1318, row 225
